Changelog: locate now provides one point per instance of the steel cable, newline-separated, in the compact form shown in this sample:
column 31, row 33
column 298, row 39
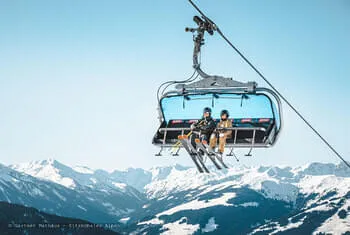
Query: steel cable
column 272, row 87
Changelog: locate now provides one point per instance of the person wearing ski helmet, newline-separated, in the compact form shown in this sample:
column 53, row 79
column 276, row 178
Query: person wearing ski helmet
column 203, row 128
column 220, row 132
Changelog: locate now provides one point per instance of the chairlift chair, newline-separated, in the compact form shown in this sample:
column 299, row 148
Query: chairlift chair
column 255, row 112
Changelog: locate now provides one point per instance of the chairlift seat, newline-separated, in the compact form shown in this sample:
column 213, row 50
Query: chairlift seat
column 242, row 131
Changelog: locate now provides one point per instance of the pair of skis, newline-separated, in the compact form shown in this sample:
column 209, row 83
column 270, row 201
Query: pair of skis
column 212, row 155
column 197, row 155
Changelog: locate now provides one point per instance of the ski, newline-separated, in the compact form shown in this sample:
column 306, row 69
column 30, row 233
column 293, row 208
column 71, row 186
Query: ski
column 202, row 147
column 193, row 152
column 192, row 155
column 217, row 156
column 199, row 157
column 221, row 160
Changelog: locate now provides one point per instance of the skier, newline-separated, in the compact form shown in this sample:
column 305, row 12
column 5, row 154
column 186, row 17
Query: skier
column 221, row 132
column 203, row 128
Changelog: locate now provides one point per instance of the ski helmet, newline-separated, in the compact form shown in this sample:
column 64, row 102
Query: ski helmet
column 207, row 110
column 224, row 112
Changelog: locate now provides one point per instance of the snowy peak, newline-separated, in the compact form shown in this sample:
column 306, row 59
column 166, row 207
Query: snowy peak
column 178, row 196
column 160, row 173
column 47, row 191
column 77, row 177
column 83, row 169
column 317, row 168
column 282, row 183
column 135, row 177
column 48, row 169
column 249, row 200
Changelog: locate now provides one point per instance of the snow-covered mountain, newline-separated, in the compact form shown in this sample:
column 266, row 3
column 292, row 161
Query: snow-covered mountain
column 55, row 188
column 136, row 177
column 257, row 200
column 76, row 178
column 175, row 199
column 273, row 182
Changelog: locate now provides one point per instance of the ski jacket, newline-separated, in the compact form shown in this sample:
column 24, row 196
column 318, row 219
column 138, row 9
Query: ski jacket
column 205, row 125
column 225, row 124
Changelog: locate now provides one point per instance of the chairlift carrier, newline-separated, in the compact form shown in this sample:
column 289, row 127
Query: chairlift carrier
column 247, row 131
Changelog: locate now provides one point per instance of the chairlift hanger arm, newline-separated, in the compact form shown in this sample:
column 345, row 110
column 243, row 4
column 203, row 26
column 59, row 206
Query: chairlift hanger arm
column 204, row 25
column 213, row 25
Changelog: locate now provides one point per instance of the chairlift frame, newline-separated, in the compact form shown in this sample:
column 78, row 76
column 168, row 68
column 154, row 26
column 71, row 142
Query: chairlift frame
column 213, row 84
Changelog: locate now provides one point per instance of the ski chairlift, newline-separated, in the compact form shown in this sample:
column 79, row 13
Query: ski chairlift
column 255, row 112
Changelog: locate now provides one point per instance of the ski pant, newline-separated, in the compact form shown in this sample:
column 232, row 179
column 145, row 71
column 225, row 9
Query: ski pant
column 198, row 136
column 222, row 142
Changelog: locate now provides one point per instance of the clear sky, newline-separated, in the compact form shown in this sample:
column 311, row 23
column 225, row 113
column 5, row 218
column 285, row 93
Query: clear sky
column 78, row 79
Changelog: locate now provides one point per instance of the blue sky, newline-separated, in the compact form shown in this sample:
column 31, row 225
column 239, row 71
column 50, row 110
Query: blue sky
column 78, row 79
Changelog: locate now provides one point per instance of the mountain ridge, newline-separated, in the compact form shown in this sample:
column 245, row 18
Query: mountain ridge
column 174, row 197
column 101, row 204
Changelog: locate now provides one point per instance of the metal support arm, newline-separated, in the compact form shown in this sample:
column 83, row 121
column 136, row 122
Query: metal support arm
column 209, row 81
column 203, row 26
